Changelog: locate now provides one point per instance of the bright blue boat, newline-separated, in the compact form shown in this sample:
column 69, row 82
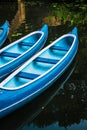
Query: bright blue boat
column 21, row 50
column 4, row 29
column 38, row 73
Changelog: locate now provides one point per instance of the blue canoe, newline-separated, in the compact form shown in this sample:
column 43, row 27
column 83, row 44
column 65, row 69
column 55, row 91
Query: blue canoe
column 4, row 29
column 38, row 73
column 21, row 50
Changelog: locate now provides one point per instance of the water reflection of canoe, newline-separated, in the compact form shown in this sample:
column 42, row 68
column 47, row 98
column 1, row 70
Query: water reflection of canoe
column 4, row 29
column 35, row 76
column 19, row 51
column 30, row 111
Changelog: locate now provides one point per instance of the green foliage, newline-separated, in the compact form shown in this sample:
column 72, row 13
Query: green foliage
column 75, row 13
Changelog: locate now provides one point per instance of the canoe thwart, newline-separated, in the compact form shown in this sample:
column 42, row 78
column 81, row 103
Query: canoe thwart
column 26, row 43
column 10, row 54
column 27, row 75
column 59, row 48
column 46, row 60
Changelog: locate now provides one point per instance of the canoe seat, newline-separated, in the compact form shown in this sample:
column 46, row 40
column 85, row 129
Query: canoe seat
column 59, row 48
column 10, row 54
column 27, row 75
column 46, row 60
column 26, row 43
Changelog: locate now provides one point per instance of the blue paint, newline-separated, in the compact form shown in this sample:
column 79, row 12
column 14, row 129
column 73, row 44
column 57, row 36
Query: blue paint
column 16, row 54
column 4, row 29
column 17, row 90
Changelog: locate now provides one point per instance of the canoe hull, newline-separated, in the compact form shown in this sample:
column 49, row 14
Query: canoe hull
column 19, row 61
column 22, row 96
column 4, row 34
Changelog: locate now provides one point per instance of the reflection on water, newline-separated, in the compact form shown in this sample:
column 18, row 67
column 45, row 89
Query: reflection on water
column 38, row 107
column 55, row 109
column 18, row 18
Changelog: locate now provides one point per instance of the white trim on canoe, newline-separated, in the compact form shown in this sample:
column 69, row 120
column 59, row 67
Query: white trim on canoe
column 16, row 42
column 35, row 56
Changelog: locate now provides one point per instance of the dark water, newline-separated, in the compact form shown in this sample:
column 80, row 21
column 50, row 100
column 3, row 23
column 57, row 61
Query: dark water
column 64, row 105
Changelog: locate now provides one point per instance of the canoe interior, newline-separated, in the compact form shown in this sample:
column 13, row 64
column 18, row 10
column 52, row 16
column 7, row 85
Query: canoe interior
column 1, row 31
column 18, row 48
column 41, row 64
